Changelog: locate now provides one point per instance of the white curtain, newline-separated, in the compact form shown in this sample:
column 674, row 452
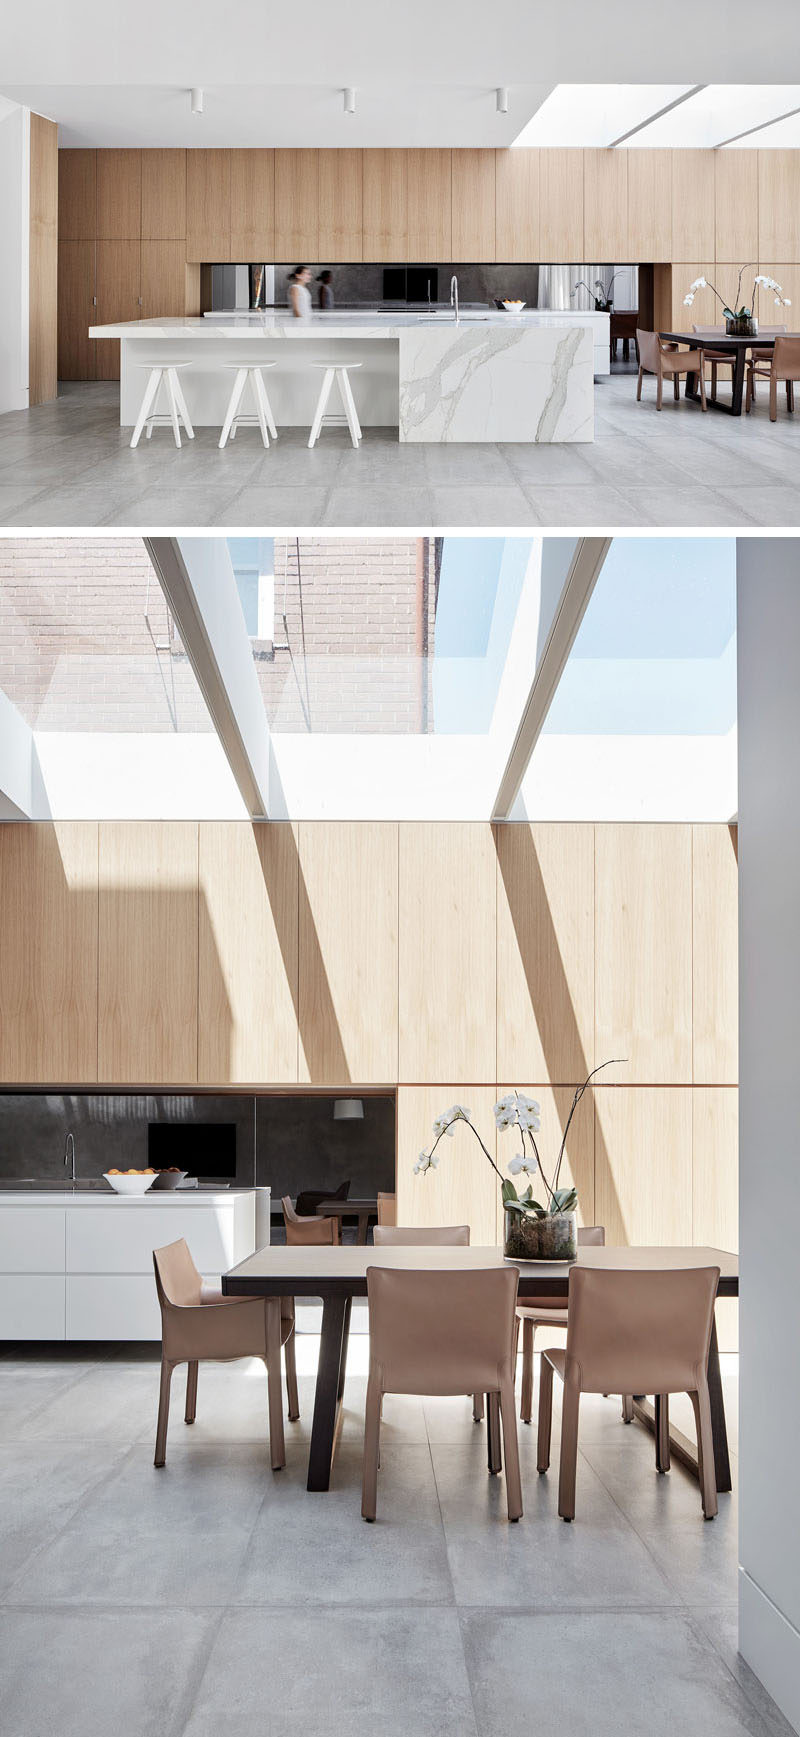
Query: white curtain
column 556, row 283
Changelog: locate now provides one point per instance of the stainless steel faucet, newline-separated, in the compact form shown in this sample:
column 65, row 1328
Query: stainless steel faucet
column 454, row 294
column 69, row 1155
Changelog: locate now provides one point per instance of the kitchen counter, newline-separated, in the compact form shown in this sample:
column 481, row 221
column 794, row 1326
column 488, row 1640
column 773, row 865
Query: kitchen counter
column 493, row 377
column 79, row 1265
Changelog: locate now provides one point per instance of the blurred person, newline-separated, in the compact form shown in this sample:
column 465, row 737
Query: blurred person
column 299, row 292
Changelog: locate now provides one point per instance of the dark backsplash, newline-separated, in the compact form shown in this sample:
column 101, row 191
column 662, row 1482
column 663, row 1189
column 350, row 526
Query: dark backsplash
column 286, row 1143
column 357, row 284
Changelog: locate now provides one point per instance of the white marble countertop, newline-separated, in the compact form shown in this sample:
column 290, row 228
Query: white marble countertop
column 346, row 325
column 192, row 1197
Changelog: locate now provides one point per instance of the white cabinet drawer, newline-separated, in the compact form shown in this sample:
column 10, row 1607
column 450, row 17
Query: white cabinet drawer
column 31, row 1239
column 112, row 1308
column 120, row 1237
column 32, row 1306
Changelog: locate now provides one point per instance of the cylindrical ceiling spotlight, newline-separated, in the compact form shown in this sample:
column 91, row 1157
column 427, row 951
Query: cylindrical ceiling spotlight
column 197, row 100
column 350, row 101
column 502, row 99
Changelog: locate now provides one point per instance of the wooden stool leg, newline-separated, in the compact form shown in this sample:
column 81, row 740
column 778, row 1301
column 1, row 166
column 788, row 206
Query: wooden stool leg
column 148, row 399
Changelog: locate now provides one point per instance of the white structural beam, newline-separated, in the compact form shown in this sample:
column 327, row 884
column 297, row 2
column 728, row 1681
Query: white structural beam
column 17, row 762
column 197, row 578
column 549, row 657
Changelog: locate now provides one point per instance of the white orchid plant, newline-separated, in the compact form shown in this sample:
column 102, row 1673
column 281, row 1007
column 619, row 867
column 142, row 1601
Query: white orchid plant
column 760, row 281
column 517, row 1111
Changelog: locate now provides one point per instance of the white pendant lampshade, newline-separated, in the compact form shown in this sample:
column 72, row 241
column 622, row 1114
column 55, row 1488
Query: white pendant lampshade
column 348, row 1110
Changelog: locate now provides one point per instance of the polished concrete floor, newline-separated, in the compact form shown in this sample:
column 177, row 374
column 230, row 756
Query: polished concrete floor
column 70, row 464
column 217, row 1596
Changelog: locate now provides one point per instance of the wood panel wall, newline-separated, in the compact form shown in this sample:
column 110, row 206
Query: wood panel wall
column 43, row 270
column 451, row 961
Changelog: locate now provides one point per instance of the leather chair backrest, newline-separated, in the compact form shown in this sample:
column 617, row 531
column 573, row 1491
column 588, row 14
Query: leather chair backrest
column 786, row 356
column 441, row 1332
column 387, row 1208
column 592, row 1236
column 177, row 1280
column 307, row 1230
column 649, row 350
column 646, row 1332
column 452, row 1235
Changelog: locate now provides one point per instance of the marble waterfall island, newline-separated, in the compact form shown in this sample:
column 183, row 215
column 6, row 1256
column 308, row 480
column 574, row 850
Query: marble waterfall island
column 491, row 377
column 509, row 382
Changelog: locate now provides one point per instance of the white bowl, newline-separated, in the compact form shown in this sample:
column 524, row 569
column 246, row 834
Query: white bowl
column 129, row 1184
column 514, row 307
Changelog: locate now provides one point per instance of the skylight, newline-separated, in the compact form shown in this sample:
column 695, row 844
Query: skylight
column 596, row 114
column 719, row 113
column 667, row 115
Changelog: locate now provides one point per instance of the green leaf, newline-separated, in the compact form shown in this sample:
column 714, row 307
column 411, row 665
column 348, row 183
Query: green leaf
column 729, row 313
column 509, row 1192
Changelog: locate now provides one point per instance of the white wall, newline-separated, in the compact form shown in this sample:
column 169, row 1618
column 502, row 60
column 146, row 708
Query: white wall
column 15, row 133
column 769, row 972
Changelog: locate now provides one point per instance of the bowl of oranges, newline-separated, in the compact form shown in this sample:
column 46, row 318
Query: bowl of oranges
column 130, row 1181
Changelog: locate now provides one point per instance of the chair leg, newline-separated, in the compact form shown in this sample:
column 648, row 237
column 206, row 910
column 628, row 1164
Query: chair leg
column 545, row 1415
column 659, row 391
column 277, row 1448
column 627, row 1408
column 150, row 392
column 322, row 401
column 714, row 381
column 293, row 1404
column 662, row 1432
column 749, row 392
column 676, row 388
column 181, row 402
column 233, row 405
column 773, row 397
column 703, row 399
column 508, row 1418
column 569, row 1449
column 526, row 1398
column 477, row 1408
column 372, row 1444
column 191, row 1393
column 639, row 388
column 163, row 1412
column 790, row 396
column 701, row 1406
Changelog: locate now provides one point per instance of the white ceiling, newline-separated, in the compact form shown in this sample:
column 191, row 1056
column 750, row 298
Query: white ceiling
column 425, row 71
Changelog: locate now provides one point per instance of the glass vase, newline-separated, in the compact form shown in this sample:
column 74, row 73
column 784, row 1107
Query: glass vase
column 742, row 326
column 554, row 1238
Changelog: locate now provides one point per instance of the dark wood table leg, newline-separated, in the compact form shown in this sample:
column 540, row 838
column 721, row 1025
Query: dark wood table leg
column 329, row 1390
column 363, row 1221
column 722, row 1464
column 493, row 1447
column 736, row 395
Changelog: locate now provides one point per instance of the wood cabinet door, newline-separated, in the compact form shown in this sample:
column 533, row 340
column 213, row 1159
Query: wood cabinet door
column 341, row 206
column 643, row 952
column 348, row 952
column 430, row 199
column 118, row 298
column 163, row 195
column 77, row 195
column 208, row 207
column 650, row 206
column 517, row 206
column 560, row 206
column 48, row 952
column 473, row 205
column 693, row 218
column 778, row 205
column 297, row 207
column 119, row 195
column 252, row 206
column 605, row 206
column 148, row 952
column 735, row 205
column 448, row 952
column 385, row 205
column 462, row 1188
column 248, row 993
column 77, row 352
column 163, row 280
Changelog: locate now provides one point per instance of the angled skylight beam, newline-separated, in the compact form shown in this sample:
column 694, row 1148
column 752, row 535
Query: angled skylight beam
column 717, row 113
column 694, row 90
column 597, row 114
column 780, row 134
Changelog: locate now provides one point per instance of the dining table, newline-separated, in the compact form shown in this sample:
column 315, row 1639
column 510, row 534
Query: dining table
column 708, row 338
column 365, row 1210
column 338, row 1274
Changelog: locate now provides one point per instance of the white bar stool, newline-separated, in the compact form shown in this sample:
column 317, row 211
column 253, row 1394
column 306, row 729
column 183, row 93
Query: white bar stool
column 339, row 372
column 166, row 373
column 234, row 417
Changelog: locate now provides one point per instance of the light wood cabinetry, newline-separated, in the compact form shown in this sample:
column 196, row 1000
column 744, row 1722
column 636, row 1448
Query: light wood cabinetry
column 560, row 206
column 43, row 259
column 605, row 206
column 463, row 1188
column 643, row 951
column 248, row 982
column 545, row 952
column 430, row 195
column 77, row 352
column 447, row 943
column 348, row 899
column 517, row 205
column 736, row 206
column 473, row 215
column 296, row 207
column 252, row 206
column 779, row 205
column 148, row 952
column 705, row 309
column 208, row 206
column 77, row 195
column 163, row 279
column 788, row 276
column 385, row 205
column 48, row 952
column 119, row 195
column 693, row 220
column 643, row 1164
column 650, row 206
column 341, row 205
column 163, row 195
column 118, row 267
column 715, row 963
column 715, row 1187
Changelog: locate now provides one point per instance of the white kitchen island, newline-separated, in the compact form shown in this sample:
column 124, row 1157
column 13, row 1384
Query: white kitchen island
column 491, row 377
column 79, row 1265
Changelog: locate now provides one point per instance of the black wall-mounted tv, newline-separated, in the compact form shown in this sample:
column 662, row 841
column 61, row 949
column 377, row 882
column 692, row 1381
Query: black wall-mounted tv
column 204, row 1149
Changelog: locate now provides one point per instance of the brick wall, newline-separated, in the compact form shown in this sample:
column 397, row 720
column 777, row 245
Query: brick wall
column 80, row 629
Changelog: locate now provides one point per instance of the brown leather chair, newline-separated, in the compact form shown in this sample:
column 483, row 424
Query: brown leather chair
column 717, row 358
column 441, row 1333
column 760, row 355
column 438, row 1235
column 218, row 1330
column 307, row 1230
column 309, row 1199
column 544, row 1313
column 387, row 1208
column 784, row 365
column 666, row 362
column 632, row 1332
